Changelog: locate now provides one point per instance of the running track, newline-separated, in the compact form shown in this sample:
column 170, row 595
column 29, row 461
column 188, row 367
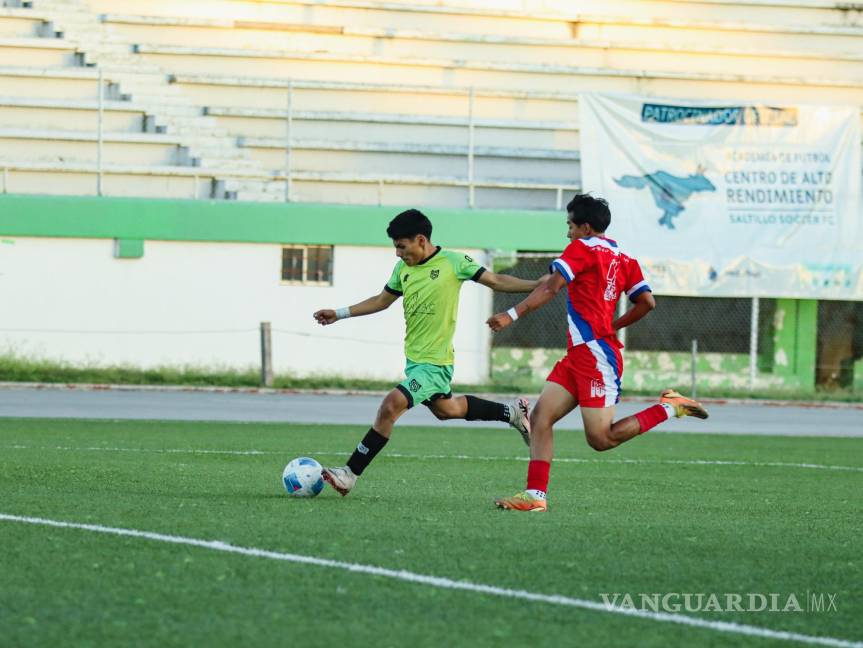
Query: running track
column 215, row 405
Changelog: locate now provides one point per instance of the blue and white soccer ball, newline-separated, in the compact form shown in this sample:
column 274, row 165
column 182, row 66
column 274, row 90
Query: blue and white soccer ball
column 303, row 477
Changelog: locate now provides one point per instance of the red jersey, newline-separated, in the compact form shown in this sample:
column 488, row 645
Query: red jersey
column 596, row 273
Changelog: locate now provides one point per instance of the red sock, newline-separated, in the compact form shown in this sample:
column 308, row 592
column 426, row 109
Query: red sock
column 651, row 417
column 537, row 475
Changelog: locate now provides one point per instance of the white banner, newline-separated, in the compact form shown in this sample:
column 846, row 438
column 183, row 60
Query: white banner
column 725, row 199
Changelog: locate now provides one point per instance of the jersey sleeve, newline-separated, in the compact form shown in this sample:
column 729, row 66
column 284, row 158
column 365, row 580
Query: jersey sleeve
column 465, row 267
column 635, row 281
column 574, row 259
column 394, row 285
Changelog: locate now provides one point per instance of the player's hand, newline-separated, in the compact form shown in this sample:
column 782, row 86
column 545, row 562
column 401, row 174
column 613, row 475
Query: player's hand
column 325, row 316
column 499, row 321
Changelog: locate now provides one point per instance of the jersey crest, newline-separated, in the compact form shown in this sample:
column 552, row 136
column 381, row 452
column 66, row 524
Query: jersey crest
column 611, row 291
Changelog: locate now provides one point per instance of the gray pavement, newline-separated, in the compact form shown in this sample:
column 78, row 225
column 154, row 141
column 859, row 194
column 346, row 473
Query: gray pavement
column 725, row 418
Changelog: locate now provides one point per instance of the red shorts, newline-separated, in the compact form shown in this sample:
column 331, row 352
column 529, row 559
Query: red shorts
column 591, row 372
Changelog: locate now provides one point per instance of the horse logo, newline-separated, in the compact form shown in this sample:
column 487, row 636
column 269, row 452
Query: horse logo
column 669, row 192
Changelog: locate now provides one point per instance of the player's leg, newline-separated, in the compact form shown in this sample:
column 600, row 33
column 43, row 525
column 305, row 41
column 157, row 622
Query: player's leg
column 473, row 408
column 555, row 402
column 391, row 408
column 599, row 365
column 591, row 373
column 599, row 430
column 602, row 434
column 602, row 364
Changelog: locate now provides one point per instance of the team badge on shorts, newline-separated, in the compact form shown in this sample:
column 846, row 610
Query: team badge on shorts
column 414, row 385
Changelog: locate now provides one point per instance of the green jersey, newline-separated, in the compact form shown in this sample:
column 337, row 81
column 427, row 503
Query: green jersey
column 430, row 291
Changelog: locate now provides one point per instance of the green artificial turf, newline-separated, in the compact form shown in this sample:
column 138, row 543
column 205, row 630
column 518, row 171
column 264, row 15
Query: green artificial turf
column 647, row 526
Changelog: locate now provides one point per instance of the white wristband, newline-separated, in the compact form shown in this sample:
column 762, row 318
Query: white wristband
column 512, row 313
column 343, row 313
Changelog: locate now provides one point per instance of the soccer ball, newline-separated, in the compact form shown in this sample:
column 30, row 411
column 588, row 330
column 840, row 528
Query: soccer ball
column 302, row 477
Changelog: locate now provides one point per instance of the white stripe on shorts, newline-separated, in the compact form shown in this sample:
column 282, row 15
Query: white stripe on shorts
column 607, row 371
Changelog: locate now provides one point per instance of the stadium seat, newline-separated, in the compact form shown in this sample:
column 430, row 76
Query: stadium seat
column 73, row 114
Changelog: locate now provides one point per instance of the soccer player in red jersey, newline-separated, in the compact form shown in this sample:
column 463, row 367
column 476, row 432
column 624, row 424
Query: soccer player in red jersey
column 596, row 273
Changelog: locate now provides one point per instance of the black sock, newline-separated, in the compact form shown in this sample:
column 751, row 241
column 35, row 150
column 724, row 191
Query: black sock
column 479, row 409
column 368, row 448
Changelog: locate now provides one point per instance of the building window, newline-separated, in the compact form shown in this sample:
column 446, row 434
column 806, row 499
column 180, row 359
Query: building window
column 308, row 264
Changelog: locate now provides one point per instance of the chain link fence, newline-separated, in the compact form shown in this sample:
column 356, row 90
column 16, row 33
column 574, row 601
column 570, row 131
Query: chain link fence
column 720, row 345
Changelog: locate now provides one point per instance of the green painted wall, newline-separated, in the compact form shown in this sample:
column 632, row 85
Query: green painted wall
column 795, row 329
column 643, row 370
column 243, row 222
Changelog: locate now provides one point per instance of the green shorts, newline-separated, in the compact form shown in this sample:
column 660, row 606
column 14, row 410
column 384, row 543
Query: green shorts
column 425, row 383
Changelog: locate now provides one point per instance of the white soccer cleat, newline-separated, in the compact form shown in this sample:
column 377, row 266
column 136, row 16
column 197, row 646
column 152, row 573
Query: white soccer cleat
column 519, row 418
column 341, row 479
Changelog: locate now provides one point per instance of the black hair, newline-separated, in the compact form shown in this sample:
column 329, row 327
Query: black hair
column 409, row 224
column 584, row 208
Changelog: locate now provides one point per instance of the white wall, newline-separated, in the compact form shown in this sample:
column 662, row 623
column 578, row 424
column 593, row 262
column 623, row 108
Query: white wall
column 201, row 304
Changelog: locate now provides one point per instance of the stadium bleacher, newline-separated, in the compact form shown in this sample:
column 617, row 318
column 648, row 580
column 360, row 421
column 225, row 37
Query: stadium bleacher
column 196, row 95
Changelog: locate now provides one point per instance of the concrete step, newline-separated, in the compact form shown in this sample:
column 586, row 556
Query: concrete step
column 260, row 188
column 238, row 184
column 99, row 46
column 194, row 130
column 65, row 12
column 230, row 165
column 233, row 155
column 134, row 67
column 167, row 111
column 155, row 82
column 221, row 192
column 189, row 128
column 154, row 78
column 205, row 142
column 254, row 197
column 153, row 95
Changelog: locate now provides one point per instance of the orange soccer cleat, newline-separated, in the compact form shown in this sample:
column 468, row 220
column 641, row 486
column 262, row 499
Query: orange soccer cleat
column 683, row 406
column 522, row 502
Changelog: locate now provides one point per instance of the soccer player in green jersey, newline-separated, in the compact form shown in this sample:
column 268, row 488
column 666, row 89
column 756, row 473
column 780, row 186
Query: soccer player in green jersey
column 429, row 279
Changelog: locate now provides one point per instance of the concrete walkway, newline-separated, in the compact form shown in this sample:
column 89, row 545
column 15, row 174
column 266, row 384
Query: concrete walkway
column 730, row 418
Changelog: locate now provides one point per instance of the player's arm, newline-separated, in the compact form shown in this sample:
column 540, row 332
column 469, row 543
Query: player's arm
column 641, row 306
column 368, row 306
column 548, row 287
column 507, row 283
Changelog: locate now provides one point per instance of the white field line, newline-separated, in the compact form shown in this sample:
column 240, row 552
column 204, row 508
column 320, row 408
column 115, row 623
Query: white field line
column 434, row 457
column 446, row 583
